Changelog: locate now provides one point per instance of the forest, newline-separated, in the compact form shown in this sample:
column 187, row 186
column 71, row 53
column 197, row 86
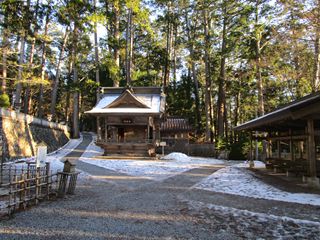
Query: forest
column 220, row 62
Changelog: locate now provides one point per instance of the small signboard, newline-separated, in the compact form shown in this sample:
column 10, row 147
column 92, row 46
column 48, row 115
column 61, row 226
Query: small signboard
column 41, row 155
column 163, row 144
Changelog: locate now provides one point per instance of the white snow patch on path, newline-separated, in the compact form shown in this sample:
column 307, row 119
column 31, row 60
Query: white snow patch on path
column 54, row 158
column 239, row 213
column 156, row 170
column 176, row 156
column 239, row 181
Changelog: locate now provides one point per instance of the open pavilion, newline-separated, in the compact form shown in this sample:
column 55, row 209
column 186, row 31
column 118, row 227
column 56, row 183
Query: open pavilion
column 292, row 138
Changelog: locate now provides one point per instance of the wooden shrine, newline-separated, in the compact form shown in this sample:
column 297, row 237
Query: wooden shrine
column 128, row 120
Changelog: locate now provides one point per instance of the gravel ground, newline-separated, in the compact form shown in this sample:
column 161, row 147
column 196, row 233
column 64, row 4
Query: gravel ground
column 110, row 205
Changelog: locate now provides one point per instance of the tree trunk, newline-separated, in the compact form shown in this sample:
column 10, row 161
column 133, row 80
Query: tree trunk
column 17, row 94
column 194, row 73
column 128, row 46
column 258, row 64
column 168, row 47
column 174, row 57
column 208, row 75
column 109, row 27
column 131, row 66
column 237, row 111
column 27, row 98
column 23, row 38
column 116, row 47
column 316, row 74
column 43, row 65
column 4, row 60
column 221, row 90
column 96, row 52
column 58, row 71
column 75, row 115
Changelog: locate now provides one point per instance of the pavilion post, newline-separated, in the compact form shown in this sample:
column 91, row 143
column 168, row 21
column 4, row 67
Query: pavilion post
column 251, row 162
column 148, row 131
column 154, row 134
column 105, row 130
column 311, row 149
column 279, row 149
column 98, row 129
column 157, row 132
column 270, row 148
column 292, row 153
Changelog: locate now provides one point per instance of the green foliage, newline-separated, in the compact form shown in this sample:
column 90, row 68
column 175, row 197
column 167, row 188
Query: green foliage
column 285, row 30
column 221, row 144
column 4, row 100
column 238, row 150
column 246, row 147
column 179, row 99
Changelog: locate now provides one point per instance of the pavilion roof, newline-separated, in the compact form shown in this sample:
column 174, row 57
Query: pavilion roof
column 292, row 115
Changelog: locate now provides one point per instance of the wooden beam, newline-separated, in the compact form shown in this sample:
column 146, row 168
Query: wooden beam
column 294, row 137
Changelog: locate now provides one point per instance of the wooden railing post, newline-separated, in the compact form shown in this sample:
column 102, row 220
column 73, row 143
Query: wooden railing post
column 48, row 179
column 37, row 185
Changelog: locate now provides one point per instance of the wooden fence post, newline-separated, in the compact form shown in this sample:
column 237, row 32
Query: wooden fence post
column 37, row 184
column 47, row 179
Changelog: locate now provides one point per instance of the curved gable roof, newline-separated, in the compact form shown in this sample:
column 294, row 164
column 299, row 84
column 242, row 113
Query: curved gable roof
column 139, row 100
column 127, row 100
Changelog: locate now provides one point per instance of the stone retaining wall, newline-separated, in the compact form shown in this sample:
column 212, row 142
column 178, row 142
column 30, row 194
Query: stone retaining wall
column 22, row 133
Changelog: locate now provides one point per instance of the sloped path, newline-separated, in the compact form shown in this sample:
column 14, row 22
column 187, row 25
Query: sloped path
column 118, row 206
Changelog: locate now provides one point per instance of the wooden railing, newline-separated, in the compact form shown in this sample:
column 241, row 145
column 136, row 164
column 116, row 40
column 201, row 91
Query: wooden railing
column 113, row 141
column 24, row 185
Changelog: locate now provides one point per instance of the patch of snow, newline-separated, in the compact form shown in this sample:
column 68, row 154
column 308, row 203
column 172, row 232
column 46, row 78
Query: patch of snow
column 176, row 156
column 239, row 181
column 54, row 158
column 156, row 170
column 239, row 213
column 257, row 164
column 3, row 204
column 92, row 151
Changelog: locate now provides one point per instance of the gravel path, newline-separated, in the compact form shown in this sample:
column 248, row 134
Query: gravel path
column 111, row 205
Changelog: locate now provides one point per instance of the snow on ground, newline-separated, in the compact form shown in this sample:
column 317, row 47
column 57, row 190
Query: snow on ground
column 254, row 225
column 176, row 156
column 240, row 181
column 152, row 169
column 240, row 213
column 54, row 157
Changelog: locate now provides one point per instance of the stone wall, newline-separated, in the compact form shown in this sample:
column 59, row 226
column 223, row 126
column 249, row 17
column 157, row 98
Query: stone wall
column 22, row 133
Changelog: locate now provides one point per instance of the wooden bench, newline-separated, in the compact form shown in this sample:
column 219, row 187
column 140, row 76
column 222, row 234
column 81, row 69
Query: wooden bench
column 280, row 165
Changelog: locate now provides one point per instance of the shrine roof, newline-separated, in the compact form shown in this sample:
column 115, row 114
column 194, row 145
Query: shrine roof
column 130, row 101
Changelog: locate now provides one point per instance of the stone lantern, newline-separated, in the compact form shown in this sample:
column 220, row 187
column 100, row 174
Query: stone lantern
column 69, row 167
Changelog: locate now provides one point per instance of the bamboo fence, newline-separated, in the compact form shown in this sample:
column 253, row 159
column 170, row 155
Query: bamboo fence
column 24, row 185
